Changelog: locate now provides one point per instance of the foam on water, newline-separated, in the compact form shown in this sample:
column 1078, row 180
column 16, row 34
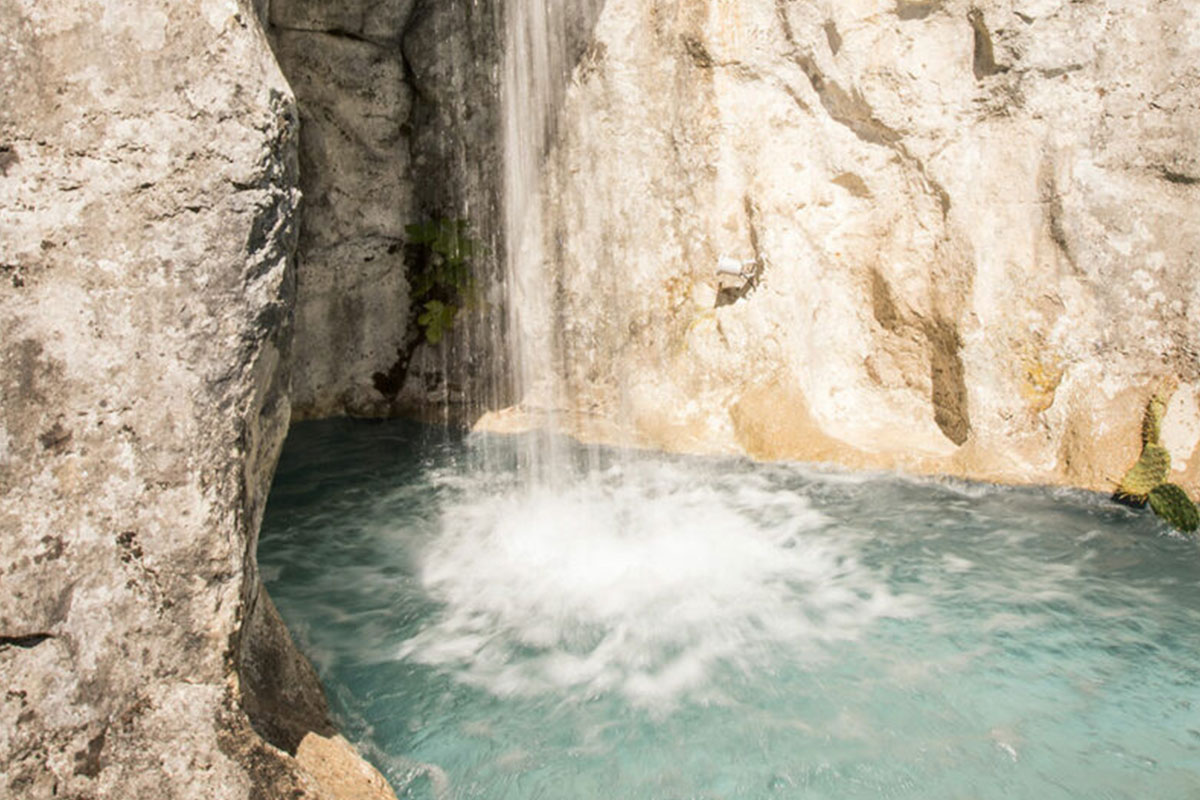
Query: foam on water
column 637, row 580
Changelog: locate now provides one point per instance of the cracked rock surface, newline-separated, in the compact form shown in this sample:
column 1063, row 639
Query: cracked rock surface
column 344, row 62
column 398, row 106
column 972, row 229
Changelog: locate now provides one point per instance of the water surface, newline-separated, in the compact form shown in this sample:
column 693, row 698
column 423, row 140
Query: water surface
column 668, row 627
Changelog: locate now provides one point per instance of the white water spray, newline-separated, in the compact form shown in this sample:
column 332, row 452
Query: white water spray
column 638, row 580
column 644, row 580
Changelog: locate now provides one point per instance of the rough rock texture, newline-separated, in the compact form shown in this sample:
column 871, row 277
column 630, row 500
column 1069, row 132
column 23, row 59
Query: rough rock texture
column 344, row 62
column 340, row 771
column 398, row 127
column 453, row 52
column 147, row 220
column 968, row 230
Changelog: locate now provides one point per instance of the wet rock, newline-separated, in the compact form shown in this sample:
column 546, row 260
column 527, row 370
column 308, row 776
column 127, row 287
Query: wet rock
column 398, row 127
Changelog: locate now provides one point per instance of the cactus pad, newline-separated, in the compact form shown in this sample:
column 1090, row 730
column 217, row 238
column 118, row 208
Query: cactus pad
column 1172, row 504
column 1149, row 471
column 1152, row 419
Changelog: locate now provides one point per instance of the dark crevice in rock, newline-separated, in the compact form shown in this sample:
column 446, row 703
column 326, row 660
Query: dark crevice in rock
column 848, row 108
column 56, row 438
column 883, row 304
column 832, row 37
column 8, row 157
column 1171, row 176
column 389, row 383
column 87, row 762
column 916, row 10
column 948, row 377
column 943, row 343
column 337, row 33
column 55, row 547
column 25, row 641
column 15, row 274
column 984, row 59
column 697, row 52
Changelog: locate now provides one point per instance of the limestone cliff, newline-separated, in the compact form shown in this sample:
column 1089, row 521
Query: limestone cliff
column 963, row 228
column 966, row 231
column 148, row 210
column 345, row 64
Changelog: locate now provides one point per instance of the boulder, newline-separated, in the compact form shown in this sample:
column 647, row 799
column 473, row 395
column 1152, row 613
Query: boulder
column 148, row 204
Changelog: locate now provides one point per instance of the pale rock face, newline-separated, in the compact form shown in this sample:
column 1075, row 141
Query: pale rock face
column 148, row 209
column 970, row 227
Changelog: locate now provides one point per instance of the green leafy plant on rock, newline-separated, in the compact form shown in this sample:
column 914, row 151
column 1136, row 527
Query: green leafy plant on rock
column 1146, row 480
column 436, row 320
column 438, row 260
column 440, row 277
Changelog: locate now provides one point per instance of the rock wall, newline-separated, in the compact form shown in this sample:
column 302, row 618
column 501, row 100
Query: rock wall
column 148, row 210
column 345, row 64
column 400, row 109
column 967, row 231
column 963, row 234
column 398, row 127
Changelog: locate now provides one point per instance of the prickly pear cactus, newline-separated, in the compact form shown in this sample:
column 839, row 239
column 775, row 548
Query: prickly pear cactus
column 1172, row 504
column 1149, row 471
column 1152, row 419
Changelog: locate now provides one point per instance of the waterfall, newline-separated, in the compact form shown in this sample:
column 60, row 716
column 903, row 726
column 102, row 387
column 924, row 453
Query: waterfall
column 535, row 70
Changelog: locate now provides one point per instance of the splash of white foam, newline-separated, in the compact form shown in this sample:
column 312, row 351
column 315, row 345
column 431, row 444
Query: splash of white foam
column 640, row 581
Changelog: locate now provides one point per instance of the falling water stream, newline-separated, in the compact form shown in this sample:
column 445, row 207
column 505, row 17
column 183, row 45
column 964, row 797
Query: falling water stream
column 535, row 71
